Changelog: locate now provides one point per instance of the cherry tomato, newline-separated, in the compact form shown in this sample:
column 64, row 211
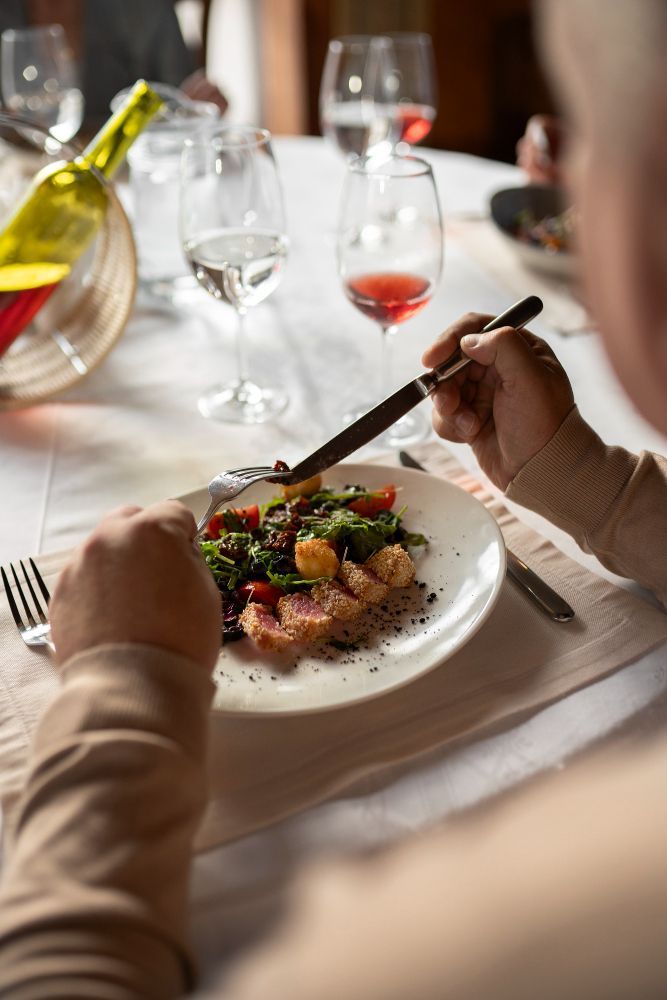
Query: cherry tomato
column 249, row 516
column 220, row 523
column 216, row 526
column 378, row 500
column 261, row 591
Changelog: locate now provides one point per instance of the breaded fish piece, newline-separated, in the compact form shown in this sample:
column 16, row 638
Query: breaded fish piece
column 258, row 622
column 393, row 565
column 363, row 582
column 303, row 617
column 337, row 600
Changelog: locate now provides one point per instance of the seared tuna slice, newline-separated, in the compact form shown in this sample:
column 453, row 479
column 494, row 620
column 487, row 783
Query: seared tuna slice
column 337, row 600
column 303, row 617
column 363, row 582
column 258, row 622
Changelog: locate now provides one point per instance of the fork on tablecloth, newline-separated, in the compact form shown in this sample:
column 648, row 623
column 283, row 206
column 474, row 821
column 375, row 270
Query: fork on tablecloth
column 33, row 625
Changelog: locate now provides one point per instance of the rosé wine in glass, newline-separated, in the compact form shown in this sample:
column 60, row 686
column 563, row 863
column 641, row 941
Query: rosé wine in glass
column 390, row 249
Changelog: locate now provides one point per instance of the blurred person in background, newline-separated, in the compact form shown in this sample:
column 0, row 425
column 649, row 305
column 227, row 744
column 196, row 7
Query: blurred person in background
column 557, row 890
column 540, row 150
column 117, row 43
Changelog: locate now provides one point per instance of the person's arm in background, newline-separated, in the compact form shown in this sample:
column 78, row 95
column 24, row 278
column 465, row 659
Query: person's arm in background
column 93, row 900
column 539, row 150
column 169, row 58
column 198, row 87
column 516, row 409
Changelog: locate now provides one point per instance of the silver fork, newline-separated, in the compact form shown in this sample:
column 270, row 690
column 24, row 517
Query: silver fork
column 228, row 485
column 35, row 630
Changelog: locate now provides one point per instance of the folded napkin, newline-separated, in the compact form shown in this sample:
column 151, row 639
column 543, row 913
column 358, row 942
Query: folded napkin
column 482, row 241
column 264, row 769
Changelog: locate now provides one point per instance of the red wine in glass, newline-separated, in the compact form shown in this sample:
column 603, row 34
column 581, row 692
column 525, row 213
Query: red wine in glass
column 413, row 122
column 389, row 297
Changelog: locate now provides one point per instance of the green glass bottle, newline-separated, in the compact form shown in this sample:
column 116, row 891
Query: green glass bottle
column 60, row 214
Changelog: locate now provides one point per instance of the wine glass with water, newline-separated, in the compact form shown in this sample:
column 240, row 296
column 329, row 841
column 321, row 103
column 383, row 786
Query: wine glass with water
column 390, row 250
column 40, row 79
column 356, row 114
column 233, row 233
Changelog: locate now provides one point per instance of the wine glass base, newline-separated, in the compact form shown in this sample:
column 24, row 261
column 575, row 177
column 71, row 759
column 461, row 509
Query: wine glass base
column 410, row 429
column 179, row 290
column 243, row 403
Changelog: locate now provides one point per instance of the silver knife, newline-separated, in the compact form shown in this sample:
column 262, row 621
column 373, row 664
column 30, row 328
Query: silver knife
column 382, row 416
column 534, row 585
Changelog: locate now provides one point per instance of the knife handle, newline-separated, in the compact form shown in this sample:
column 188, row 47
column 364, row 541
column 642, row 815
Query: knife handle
column 518, row 315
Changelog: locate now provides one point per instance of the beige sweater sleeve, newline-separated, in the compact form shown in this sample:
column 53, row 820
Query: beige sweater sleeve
column 559, row 891
column 613, row 503
column 94, row 899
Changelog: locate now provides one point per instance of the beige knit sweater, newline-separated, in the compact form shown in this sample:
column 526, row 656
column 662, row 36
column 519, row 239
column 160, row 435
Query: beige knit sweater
column 558, row 891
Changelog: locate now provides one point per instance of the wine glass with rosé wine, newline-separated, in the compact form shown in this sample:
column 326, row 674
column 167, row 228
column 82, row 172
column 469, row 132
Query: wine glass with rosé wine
column 233, row 233
column 411, row 85
column 390, row 251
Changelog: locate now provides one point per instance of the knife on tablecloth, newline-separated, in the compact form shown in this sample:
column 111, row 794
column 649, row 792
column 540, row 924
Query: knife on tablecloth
column 540, row 591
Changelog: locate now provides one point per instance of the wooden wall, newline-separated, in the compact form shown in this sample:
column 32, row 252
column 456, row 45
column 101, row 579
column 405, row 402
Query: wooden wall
column 489, row 79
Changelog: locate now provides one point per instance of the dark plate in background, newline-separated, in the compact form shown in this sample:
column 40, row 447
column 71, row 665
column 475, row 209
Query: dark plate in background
column 542, row 201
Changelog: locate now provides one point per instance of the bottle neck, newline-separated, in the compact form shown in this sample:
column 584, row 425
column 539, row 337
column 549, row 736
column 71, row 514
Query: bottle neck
column 107, row 150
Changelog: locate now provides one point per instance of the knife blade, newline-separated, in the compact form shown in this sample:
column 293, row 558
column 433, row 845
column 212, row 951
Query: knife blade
column 382, row 416
column 536, row 588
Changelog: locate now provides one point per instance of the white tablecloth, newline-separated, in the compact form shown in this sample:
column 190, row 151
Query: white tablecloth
column 131, row 432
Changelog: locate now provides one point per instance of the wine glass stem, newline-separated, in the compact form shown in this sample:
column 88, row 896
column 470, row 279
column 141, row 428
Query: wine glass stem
column 239, row 344
column 386, row 356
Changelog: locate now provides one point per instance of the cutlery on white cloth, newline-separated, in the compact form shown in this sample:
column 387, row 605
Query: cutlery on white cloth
column 538, row 589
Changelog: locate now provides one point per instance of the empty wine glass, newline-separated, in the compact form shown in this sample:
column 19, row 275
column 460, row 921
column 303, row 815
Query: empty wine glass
column 410, row 84
column 390, row 248
column 233, row 233
column 356, row 115
column 40, row 79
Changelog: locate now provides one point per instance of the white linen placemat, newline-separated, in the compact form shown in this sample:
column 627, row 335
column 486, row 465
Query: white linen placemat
column 264, row 769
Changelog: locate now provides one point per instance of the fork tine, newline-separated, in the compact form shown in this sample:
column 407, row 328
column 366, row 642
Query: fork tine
column 10, row 599
column 248, row 470
column 251, row 477
column 40, row 581
column 255, row 477
column 35, row 599
column 26, row 606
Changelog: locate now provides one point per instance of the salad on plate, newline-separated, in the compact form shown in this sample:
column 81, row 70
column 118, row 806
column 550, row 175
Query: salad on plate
column 310, row 558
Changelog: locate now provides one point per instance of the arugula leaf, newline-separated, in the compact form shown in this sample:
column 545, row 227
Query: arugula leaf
column 362, row 535
column 291, row 581
column 412, row 539
column 266, row 507
column 225, row 570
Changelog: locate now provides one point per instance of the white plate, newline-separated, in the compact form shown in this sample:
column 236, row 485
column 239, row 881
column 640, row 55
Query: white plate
column 463, row 566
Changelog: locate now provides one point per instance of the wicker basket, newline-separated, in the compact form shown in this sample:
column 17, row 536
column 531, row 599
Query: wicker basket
column 82, row 320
